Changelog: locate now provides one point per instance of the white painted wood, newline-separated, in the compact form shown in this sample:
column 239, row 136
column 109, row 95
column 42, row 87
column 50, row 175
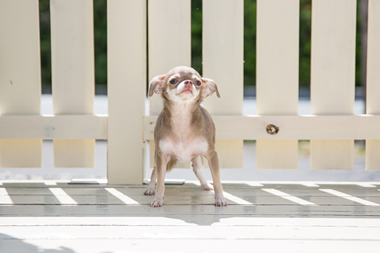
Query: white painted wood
column 349, row 197
column 229, row 220
column 127, row 200
column 53, row 127
column 27, row 151
column 332, row 155
column 4, row 197
column 276, row 154
column 169, row 40
column 62, row 196
column 193, row 245
column 126, row 90
column 190, row 232
column 372, row 149
column 289, row 197
column 277, row 76
column 235, row 199
column 339, row 127
column 223, row 41
column 169, row 46
column 229, row 127
column 333, row 76
column 373, row 80
column 20, row 81
column 73, row 85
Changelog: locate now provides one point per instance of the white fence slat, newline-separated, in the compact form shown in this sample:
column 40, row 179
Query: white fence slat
column 72, row 44
column 126, row 90
column 333, row 76
column 372, row 149
column 169, row 40
column 373, row 80
column 277, row 76
column 169, row 46
column 223, row 41
column 20, row 81
column 66, row 153
column 21, row 153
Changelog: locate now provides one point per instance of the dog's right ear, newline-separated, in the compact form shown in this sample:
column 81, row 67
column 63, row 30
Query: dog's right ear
column 156, row 85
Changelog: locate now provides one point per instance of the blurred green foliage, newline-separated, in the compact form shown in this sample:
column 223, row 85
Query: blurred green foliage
column 45, row 42
column 305, row 42
column 249, row 42
column 196, row 35
column 100, row 40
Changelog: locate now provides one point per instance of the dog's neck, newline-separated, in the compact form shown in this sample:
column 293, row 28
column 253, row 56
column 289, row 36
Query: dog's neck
column 181, row 114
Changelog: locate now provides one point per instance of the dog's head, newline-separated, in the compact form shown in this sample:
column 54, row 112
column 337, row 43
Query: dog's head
column 182, row 84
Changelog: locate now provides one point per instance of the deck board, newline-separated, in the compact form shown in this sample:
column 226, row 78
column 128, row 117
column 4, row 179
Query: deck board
column 33, row 219
column 169, row 245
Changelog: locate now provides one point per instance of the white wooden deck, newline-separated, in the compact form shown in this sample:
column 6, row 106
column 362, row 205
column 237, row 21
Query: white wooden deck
column 261, row 217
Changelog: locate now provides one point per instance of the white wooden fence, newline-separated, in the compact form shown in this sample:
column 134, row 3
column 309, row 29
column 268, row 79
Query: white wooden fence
column 332, row 127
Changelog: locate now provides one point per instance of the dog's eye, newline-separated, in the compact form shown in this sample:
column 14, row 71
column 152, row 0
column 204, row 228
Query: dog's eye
column 198, row 83
column 173, row 81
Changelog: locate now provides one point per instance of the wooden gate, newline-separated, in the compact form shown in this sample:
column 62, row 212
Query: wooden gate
column 332, row 127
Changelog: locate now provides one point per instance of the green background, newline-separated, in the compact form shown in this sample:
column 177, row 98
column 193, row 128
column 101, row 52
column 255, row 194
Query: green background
column 100, row 34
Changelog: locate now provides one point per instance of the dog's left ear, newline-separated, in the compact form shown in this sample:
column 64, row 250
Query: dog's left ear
column 156, row 85
column 209, row 87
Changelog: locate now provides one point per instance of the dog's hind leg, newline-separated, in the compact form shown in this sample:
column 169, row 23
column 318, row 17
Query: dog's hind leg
column 172, row 162
column 150, row 189
column 197, row 165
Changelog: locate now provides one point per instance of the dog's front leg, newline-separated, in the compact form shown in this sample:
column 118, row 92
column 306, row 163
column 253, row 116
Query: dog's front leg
column 161, row 162
column 213, row 163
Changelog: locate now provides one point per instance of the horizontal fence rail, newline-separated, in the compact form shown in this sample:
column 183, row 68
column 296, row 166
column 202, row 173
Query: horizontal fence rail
column 53, row 127
column 341, row 127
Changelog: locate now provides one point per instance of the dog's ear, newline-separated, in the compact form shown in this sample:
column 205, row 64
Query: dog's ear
column 156, row 85
column 209, row 87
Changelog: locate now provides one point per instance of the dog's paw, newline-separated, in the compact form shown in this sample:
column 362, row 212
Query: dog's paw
column 207, row 187
column 149, row 191
column 220, row 202
column 157, row 202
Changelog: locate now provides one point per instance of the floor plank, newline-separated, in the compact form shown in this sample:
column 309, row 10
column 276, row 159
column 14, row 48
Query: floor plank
column 170, row 245
column 189, row 232
column 61, row 217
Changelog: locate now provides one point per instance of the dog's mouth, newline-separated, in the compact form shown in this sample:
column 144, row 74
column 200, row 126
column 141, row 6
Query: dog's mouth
column 186, row 91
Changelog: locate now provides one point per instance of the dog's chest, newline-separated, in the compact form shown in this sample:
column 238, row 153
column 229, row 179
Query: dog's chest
column 183, row 144
column 184, row 150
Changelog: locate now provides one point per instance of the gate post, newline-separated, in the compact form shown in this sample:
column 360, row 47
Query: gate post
column 126, row 90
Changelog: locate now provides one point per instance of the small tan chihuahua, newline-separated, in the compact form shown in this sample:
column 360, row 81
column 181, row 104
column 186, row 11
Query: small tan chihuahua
column 184, row 130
